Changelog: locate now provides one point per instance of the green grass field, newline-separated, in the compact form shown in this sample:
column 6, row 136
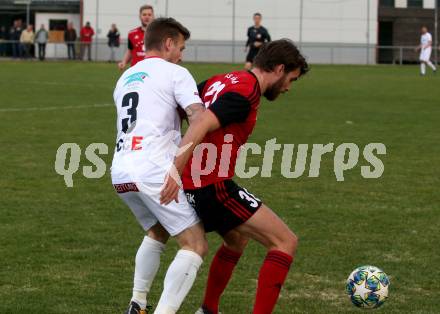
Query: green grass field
column 71, row 250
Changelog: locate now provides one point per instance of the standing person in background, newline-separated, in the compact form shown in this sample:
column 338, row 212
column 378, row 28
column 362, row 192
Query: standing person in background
column 425, row 48
column 3, row 38
column 113, row 41
column 27, row 38
column 257, row 36
column 70, row 38
column 86, row 35
column 14, row 35
column 136, row 48
column 41, row 38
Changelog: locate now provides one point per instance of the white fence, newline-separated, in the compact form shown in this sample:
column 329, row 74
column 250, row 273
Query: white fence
column 227, row 52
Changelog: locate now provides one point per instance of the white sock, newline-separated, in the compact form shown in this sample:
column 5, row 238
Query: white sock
column 178, row 281
column 432, row 66
column 422, row 68
column 147, row 264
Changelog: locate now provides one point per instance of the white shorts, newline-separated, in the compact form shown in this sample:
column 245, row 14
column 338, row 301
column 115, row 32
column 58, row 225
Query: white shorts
column 425, row 54
column 144, row 201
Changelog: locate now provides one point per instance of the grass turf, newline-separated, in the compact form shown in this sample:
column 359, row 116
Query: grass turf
column 71, row 250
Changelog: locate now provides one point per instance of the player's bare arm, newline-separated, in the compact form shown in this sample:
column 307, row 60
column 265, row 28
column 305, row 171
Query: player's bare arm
column 125, row 60
column 193, row 111
column 204, row 123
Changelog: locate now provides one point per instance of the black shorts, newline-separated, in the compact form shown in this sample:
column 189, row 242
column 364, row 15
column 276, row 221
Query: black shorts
column 251, row 55
column 223, row 206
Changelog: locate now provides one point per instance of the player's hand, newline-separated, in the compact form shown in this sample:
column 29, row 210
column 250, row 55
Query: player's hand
column 257, row 44
column 122, row 65
column 171, row 187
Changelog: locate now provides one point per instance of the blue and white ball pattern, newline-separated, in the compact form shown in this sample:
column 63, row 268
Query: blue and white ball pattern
column 367, row 287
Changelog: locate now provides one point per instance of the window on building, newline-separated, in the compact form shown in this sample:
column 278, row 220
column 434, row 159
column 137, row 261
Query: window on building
column 415, row 3
column 387, row 3
column 57, row 25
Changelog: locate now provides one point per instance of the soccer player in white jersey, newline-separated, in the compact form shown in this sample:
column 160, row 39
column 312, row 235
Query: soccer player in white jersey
column 147, row 97
column 425, row 48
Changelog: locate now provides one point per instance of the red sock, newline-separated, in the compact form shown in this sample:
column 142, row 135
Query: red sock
column 220, row 272
column 270, row 280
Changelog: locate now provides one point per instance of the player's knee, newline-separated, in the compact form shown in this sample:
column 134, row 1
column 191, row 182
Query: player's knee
column 200, row 247
column 292, row 243
column 287, row 243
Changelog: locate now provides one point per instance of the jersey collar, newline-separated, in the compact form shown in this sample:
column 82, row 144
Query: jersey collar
column 152, row 57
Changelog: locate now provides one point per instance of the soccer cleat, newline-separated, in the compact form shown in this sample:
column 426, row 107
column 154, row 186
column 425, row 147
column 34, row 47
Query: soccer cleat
column 203, row 310
column 135, row 308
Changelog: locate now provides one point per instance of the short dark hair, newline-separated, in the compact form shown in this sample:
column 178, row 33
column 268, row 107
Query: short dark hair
column 146, row 7
column 161, row 29
column 257, row 14
column 282, row 51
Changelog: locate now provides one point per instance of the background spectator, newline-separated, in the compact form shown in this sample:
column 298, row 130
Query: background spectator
column 86, row 34
column 3, row 37
column 70, row 38
column 14, row 34
column 27, row 40
column 41, row 38
column 113, row 41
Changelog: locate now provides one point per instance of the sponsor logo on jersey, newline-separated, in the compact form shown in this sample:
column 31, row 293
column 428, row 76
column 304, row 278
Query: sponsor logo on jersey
column 136, row 77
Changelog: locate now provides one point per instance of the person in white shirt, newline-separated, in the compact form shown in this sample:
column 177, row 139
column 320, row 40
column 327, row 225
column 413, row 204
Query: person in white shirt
column 425, row 48
column 148, row 97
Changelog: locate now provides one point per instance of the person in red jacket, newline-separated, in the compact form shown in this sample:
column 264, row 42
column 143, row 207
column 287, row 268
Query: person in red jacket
column 86, row 34
column 136, row 49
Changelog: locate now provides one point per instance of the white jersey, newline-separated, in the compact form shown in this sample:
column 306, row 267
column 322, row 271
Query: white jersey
column 147, row 97
column 425, row 39
column 425, row 52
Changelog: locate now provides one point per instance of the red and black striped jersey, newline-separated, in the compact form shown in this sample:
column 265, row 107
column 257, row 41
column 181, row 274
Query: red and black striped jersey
column 136, row 44
column 234, row 98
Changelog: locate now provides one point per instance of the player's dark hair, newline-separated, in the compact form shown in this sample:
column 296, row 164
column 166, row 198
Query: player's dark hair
column 161, row 29
column 282, row 51
column 257, row 14
column 146, row 7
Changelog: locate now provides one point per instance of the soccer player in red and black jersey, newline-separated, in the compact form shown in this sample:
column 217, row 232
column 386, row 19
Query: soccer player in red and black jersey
column 232, row 102
column 136, row 47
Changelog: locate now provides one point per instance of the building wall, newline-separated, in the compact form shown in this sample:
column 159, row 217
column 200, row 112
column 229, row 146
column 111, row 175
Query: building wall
column 426, row 4
column 325, row 22
column 60, row 49
column 407, row 22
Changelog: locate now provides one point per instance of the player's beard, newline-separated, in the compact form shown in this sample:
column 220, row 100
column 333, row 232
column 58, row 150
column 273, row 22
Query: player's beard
column 274, row 91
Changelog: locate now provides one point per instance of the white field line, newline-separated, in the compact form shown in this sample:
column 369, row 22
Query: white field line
column 67, row 83
column 55, row 108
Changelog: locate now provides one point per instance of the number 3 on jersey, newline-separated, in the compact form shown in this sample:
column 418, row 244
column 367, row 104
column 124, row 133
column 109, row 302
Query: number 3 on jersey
column 213, row 92
column 130, row 100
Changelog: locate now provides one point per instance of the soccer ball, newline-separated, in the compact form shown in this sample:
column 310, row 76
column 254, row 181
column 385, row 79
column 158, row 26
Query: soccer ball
column 367, row 287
